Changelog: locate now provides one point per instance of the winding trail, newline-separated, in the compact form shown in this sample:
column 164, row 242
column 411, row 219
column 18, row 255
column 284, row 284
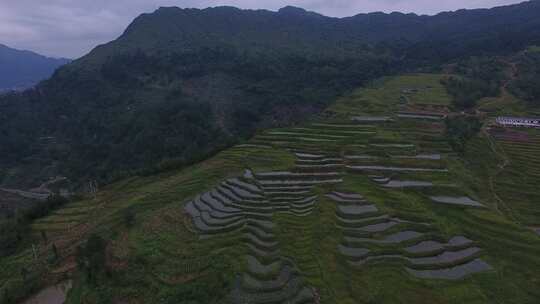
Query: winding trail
column 500, row 168
column 499, row 151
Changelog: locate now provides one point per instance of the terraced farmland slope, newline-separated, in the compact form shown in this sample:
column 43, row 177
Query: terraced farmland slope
column 366, row 204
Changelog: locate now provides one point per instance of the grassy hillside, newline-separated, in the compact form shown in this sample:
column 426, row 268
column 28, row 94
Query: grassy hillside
column 342, row 209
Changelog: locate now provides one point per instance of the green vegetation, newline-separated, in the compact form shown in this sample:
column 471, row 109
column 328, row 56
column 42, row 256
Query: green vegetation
column 533, row 49
column 461, row 129
column 15, row 228
column 515, row 183
column 164, row 257
column 466, row 93
column 526, row 84
column 387, row 195
column 180, row 85
column 479, row 78
column 91, row 259
column 415, row 89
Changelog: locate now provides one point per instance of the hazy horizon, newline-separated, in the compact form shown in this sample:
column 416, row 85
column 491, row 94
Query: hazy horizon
column 71, row 29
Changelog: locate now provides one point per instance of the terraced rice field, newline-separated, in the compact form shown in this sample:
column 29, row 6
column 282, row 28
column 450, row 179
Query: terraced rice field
column 370, row 192
column 358, row 206
column 517, row 184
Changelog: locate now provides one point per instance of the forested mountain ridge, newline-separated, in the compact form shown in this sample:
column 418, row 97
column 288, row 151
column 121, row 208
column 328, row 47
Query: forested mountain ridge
column 180, row 84
column 398, row 189
column 23, row 69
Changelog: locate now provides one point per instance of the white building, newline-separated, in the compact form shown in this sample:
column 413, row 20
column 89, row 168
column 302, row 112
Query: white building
column 518, row 122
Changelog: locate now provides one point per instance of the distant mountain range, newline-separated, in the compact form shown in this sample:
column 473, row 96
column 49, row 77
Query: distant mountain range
column 181, row 84
column 24, row 69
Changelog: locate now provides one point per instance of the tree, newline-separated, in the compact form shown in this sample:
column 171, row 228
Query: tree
column 24, row 274
column 55, row 252
column 91, row 257
column 129, row 217
column 460, row 129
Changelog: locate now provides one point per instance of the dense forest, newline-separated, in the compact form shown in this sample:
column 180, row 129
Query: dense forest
column 527, row 79
column 478, row 77
column 181, row 84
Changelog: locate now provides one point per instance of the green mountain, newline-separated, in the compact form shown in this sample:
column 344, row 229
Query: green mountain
column 280, row 157
column 23, row 69
column 182, row 84
column 368, row 202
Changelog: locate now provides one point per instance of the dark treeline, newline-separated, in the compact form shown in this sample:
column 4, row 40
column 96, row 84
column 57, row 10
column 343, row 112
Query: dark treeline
column 479, row 77
column 460, row 129
column 181, row 84
column 155, row 111
column 14, row 229
column 527, row 82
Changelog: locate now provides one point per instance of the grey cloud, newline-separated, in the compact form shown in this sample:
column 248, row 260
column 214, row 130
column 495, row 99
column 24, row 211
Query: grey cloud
column 71, row 28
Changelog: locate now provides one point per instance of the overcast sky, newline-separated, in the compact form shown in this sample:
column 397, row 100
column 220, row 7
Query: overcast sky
column 71, row 28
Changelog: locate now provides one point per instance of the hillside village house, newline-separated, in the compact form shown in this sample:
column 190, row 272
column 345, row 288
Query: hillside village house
column 518, row 122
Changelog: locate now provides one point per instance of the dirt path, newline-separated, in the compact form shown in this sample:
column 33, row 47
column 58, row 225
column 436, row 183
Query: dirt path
column 499, row 151
column 500, row 168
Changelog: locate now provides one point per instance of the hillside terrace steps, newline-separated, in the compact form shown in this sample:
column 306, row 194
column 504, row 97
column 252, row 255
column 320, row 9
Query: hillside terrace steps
column 353, row 253
column 435, row 246
column 456, row 200
column 296, row 175
column 241, row 204
column 338, row 131
column 355, row 211
column 312, row 182
column 240, row 192
column 371, row 119
column 377, row 228
column 399, row 184
column 206, row 229
column 294, row 178
column 452, row 260
column 434, row 156
column 333, row 166
column 447, row 258
column 434, row 116
column 345, row 198
column 215, row 204
column 364, row 168
column 395, row 238
column 245, row 206
column 290, row 191
column 452, row 273
column 287, row 189
column 327, row 160
column 256, row 196
column 360, row 157
column 266, row 245
column 388, row 182
column 211, row 220
column 284, row 276
column 294, row 134
column 360, row 222
column 261, row 234
column 306, row 160
column 342, row 126
column 254, row 189
column 263, row 253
